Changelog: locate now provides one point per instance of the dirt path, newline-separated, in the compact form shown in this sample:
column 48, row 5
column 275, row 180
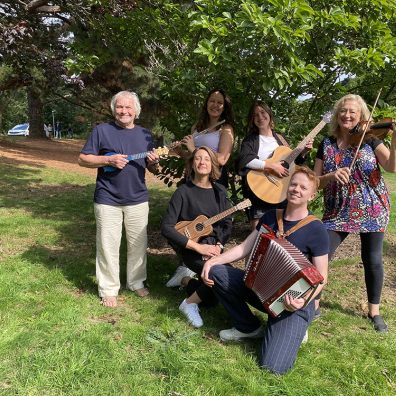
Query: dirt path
column 59, row 154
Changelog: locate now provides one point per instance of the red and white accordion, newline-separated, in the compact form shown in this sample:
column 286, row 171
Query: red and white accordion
column 276, row 268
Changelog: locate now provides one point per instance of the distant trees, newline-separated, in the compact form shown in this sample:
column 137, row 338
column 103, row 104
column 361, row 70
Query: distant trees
column 36, row 39
column 173, row 52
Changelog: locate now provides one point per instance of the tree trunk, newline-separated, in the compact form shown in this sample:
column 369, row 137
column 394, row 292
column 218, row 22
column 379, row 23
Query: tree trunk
column 35, row 110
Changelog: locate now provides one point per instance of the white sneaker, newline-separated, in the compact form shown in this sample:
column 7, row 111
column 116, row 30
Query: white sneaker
column 192, row 313
column 235, row 335
column 305, row 339
column 179, row 274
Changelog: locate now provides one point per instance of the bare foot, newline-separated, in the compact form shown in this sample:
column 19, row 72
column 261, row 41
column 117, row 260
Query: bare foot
column 143, row 292
column 109, row 301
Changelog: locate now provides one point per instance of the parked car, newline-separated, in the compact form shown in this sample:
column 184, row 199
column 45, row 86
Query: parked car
column 19, row 130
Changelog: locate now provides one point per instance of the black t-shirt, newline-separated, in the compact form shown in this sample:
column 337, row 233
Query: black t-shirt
column 126, row 186
column 190, row 201
column 312, row 239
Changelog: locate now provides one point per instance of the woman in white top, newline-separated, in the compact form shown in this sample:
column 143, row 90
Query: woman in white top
column 258, row 146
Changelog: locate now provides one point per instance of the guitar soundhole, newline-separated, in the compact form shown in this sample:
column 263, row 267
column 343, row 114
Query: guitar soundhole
column 199, row 227
column 285, row 164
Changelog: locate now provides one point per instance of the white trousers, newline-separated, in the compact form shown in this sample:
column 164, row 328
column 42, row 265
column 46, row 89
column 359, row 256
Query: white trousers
column 109, row 220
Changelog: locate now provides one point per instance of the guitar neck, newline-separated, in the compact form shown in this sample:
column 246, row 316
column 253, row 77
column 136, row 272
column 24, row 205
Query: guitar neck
column 297, row 151
column 133, row 157
column 221, row 215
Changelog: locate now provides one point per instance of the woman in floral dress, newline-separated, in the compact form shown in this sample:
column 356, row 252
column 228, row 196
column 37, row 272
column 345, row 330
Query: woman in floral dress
column 356, row 199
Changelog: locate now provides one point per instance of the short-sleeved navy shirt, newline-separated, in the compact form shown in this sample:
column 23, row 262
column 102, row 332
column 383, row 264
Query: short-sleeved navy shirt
column 312, row 239
column 126, row 186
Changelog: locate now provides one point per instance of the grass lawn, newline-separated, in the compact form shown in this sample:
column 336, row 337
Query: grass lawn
column 57, row 340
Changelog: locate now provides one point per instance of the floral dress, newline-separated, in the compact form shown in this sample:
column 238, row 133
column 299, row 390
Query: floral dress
column 362, row 205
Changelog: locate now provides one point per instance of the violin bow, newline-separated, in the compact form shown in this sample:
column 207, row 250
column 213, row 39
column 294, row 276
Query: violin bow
column 365, row 130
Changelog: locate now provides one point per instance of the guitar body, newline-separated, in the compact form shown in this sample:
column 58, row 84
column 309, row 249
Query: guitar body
column 194, row 229
column 273, row 189
column 267, row 186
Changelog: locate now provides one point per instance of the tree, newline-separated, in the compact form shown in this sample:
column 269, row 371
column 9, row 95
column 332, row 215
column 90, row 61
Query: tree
column 35, row 42
column 278, row 49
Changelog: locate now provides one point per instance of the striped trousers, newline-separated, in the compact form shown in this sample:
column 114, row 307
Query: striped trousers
column 283, row 335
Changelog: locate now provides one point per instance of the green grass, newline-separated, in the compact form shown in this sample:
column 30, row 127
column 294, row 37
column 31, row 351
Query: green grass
column 57, row 340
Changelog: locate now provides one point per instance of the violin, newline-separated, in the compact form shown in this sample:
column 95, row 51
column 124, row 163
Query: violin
column 380, row 129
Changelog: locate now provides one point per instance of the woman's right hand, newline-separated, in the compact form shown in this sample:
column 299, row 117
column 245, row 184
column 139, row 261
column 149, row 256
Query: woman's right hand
column 342, row 175
column 188, row 141
column 277, row 168
column 208, row 251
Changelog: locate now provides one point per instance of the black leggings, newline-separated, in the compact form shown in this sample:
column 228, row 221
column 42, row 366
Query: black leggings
column 371, row 254
column 194, row 262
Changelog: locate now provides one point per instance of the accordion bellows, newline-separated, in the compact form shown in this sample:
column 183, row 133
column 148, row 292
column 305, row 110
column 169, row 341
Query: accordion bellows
column 276, row 268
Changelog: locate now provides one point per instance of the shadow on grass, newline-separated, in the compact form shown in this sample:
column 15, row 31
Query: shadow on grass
column 68, row 210
column 337, row 307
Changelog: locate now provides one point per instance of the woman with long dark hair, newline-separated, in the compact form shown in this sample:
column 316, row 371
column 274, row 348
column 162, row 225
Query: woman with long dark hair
column 208, row 131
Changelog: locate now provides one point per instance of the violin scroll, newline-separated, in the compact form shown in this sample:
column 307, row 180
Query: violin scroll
column 380, row 129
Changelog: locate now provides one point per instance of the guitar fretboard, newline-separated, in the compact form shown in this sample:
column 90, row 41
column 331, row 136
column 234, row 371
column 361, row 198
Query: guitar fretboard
column 297, row 151
column 133, row 157
column 227, row 212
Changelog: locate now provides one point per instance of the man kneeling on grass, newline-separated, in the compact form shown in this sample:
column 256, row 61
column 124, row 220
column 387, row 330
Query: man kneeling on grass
column 284, row 334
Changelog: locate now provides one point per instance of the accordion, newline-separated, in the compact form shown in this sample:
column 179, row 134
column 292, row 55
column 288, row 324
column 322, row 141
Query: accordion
column 276, row 268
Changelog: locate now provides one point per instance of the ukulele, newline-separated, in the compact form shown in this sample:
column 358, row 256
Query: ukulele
column 161, row 151
column 271, row 188
column 202, row 226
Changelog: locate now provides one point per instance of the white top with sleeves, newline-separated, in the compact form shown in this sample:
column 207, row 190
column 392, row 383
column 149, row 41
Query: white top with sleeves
column 267, row 145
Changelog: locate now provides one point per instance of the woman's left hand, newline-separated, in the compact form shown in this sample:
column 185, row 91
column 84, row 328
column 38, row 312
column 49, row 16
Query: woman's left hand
column 293, row 304
column 308, row 147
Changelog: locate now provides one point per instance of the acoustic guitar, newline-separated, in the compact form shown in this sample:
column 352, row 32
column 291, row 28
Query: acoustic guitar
column 271, row 188
column 202, row 226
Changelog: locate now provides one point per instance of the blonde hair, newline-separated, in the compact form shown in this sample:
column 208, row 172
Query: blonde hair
column 215, row 171
column 311, row 175
column 364, row 111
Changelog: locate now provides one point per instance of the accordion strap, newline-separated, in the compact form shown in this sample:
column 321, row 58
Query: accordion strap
column 281, row 232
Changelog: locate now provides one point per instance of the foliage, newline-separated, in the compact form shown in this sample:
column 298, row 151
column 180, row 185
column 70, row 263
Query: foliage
column 35, row 41
column 299, row 56
column 13, row 109
column 278, row 50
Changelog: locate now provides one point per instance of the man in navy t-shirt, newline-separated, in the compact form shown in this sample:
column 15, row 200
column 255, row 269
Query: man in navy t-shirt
column 121, row 195
column 284, row 334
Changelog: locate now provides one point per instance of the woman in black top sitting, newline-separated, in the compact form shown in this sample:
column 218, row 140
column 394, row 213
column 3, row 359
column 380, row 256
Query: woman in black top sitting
column 200, row 195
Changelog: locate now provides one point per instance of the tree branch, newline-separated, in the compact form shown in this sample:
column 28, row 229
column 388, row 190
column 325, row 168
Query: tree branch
column 48, row 9
column 34, row 4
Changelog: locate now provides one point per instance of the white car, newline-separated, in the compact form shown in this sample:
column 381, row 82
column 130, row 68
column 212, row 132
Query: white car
column 19, row 130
